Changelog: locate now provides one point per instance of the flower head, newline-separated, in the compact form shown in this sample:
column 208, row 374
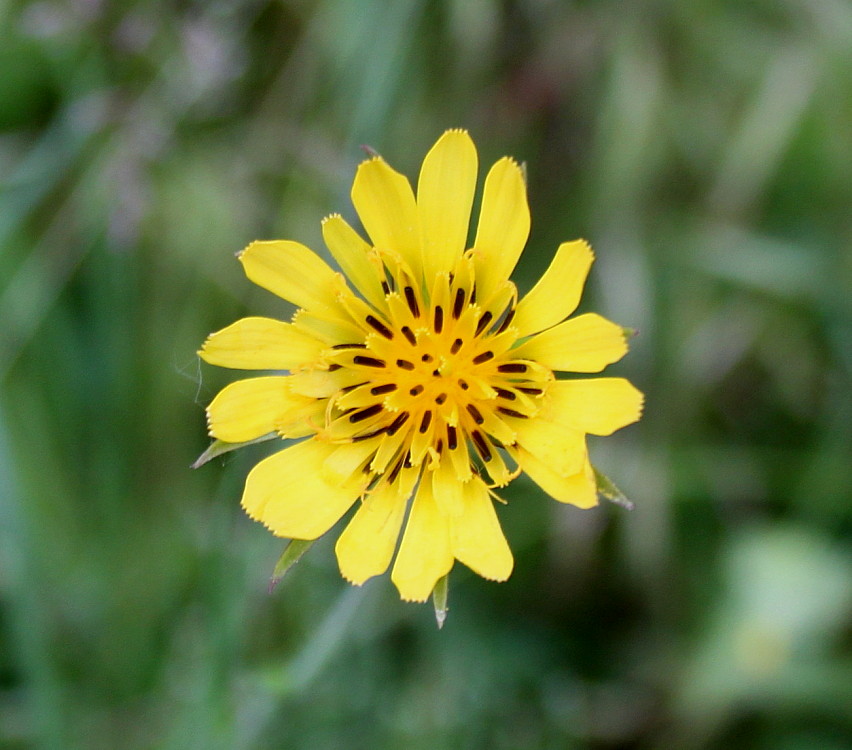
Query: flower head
column 422, row 379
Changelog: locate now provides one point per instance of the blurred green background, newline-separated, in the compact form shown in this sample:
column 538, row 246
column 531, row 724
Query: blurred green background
column 704, row 147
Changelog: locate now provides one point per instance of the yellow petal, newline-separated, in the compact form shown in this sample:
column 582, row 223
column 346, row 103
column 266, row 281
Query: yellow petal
column 287, row 493
column 291, row 271
column 579, row 489
column 353, row 255
column 476, row 537
column 298, row 423
column 425, row 554
column 444, row 198
column 343, row 464
column 322, row 383
column 587, row 343
column 599, row 406
column 327, row 326
column 249, row 408
column 504, row 225
column 366, row 546
column 447, row 490
column 385, row 204
column 561, row 448
column 558, row 291
column 261, row 344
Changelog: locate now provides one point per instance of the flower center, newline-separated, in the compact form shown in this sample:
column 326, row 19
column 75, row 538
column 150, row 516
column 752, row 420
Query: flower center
column 433, row 379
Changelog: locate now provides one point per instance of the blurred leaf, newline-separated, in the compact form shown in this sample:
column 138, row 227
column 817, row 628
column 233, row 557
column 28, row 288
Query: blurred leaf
column 608, row 490
column 439, row 600
column 289, row 557
column 220, row 447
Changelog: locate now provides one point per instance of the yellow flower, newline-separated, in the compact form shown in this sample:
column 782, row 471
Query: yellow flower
column 426, row 377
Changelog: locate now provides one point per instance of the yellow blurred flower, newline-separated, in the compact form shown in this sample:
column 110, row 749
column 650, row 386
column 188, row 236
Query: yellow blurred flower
column 426, row 377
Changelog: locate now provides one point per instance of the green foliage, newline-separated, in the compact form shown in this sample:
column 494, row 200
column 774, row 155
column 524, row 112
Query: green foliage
column 703, row 148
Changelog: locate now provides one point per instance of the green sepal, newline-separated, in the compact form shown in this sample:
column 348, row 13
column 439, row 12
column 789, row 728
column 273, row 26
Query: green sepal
column 289, row 557
column 609, row 491
column 439, row 599
column 219, row 447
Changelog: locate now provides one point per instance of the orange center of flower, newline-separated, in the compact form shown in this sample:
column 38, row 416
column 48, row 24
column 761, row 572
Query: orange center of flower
column 434, row 380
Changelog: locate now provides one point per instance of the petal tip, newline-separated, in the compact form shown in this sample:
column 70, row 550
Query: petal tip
column 354, row 580
column 240, row 253
column 373, row 162
column 415, row 598
column 501, row 577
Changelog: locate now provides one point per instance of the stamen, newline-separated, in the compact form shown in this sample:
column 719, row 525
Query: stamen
column 483, row 322
column 440, row 398
column 348, row 388
column 370, row 411
column 458, row 303
column 426, row 421
column 439, row 319
column 439, row 448
column 503, row 393
column 426, row 358
column 377, row 325
column 511, row 412
column 385, row 287
column 409, row 334
column 398, row 422
column 411, row 299
column 349, row 346
column 484, row 357
column 457, row 344
column 394, row 472
column 368, row 361
column 368, row 435
column 481, row 445
column 475, row 413
column 512, row 367
column 463, row 384
column 452, row 438
column 380, row 389
column 473, row 295
column 530, row 391
column 404, row 364
column 506, row 321
column 416, row 391
column 334, row 366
